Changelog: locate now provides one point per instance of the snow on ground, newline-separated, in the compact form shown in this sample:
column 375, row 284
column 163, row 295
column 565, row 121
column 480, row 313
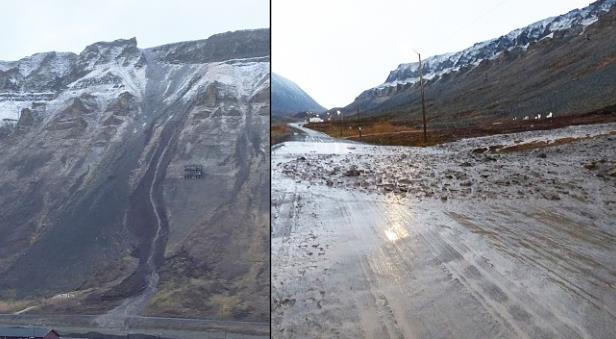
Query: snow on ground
column 373, row 241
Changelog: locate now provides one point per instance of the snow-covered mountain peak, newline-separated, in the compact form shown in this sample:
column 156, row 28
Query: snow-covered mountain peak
column 219, row 47
column 56, row 63
column 573, row 22
column 121, row 51
column 111, row 48
column 108, row 69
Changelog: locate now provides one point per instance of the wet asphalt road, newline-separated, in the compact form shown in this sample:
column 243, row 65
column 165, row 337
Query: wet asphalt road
column 353, row 263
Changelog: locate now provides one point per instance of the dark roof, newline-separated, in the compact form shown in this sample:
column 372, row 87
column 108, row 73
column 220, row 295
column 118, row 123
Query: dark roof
column 24, row 331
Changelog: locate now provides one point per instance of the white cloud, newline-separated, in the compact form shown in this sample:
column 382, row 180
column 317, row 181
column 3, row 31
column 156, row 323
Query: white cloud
column 31, row 26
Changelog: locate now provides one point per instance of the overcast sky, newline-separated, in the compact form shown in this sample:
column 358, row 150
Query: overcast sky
column 334, row 49
column 30, row 26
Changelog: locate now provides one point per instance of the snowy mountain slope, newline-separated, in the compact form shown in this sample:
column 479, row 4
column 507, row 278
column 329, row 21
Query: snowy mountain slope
column 288, row 98
column 93, row 172
column 571, row 23
column 242, row 45
column 566, row 67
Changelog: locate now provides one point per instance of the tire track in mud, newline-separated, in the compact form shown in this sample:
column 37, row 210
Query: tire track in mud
column 492, row 270
column 446, row 257
column 492, row 298
column 518, row 302
column 503, row 301
column 561, row 259
column 371, row 270
column 385, row 312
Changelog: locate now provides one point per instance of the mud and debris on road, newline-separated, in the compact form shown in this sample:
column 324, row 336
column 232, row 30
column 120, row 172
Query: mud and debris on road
column 501, row 236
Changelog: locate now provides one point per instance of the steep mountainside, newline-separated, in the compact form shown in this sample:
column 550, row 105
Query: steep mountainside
column 288, row 98
column 96, row 213
column 565, row 65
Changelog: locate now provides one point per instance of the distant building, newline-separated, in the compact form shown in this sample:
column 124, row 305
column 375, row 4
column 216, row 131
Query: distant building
column 28, row 333
column 192, row 172
column 312, row 117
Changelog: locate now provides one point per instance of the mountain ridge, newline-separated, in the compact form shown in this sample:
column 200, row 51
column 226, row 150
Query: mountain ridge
column 441, row 64
column 571, row 72
column 93, row 172
column 288, row 98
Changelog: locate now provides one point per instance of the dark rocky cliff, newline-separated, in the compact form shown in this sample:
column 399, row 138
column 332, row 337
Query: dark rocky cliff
column 95, row 206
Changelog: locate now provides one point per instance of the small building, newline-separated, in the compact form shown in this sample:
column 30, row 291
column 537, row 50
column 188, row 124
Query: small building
column 28, row 333
column 312, row 117
column 192, row 172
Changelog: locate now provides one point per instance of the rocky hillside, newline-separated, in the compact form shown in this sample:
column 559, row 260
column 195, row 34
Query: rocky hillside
column 564, row 65
column 288, row 98
column 96, row 213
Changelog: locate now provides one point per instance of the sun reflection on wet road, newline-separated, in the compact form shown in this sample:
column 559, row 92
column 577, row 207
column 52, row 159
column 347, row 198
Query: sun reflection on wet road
column 397, row 216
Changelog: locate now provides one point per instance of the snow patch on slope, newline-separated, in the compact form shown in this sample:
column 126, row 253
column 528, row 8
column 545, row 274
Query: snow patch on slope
column 10, row 109
column 240, row 78
column 439, row 65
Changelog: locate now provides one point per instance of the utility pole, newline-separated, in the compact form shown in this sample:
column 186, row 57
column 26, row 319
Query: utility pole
column 423, row 102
